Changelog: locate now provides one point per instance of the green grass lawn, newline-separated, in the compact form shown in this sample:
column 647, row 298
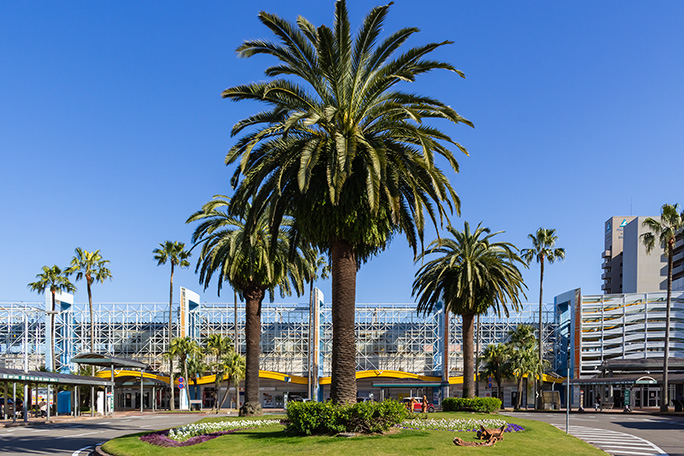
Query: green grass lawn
column 537, row 439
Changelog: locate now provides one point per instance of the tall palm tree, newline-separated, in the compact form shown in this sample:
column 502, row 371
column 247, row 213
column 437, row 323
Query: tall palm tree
column 254, row 263
column 172, row 252
column 183, row 348
column 496, row 364
column 665, row 231
column 472, row 274
column 543, row 248
column 92, row 267
column 342, row 150
column 522, row 356
column 53, row 279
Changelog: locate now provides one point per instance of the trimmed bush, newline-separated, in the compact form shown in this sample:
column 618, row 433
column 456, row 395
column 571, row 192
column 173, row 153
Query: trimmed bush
column 316, row 418
column 476, row 404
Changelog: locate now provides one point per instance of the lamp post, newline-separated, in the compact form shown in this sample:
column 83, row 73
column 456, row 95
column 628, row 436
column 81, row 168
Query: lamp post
column 26, row 361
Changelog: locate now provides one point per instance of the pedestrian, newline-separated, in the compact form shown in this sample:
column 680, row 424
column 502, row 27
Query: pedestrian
column 597, row 405
column 425, row 404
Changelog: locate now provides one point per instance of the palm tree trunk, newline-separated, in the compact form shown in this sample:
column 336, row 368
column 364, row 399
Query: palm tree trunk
column 253, row 298
column 225, row 394
column 90, row 307
column 171, row 405
column 477, row 359
column 664, row 399
column 498, row 391
column 519, row 398
column 541, row 334
column 236, row 381
column 343, row 382
column 52, row 333
column 468, row 355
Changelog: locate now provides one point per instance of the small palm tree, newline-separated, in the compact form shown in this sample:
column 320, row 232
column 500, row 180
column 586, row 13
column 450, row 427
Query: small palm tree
column 496, row 364
column 665, row 231
column 174, row 253
column 92, row 267
column 183, row 348
column 197, row 366
column 522, row 356
column 217, row 346
column 253, row 263
column 232, row 369
column 543, row 248
column 472, row 274
column 53, row 279
column 343, row 150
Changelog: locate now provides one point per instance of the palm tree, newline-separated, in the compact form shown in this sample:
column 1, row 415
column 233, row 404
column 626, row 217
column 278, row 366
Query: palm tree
column 343, row 151
column 232, row 369
column 173, row 252
column 92, row 267
column 666, row 229
column 543, row 248
column 253, row 264
column 183, row 348
column 523, row 356
column 471, row 275
column 53, row 279
column 496, row 364
column 196, row 368
column 217, row 345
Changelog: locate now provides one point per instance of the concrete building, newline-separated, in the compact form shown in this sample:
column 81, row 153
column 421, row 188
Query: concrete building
column 627, row 267
column 611, row 338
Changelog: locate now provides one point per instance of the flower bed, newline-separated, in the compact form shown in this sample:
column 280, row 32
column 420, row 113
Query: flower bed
column 457, row 425
column 195, row 433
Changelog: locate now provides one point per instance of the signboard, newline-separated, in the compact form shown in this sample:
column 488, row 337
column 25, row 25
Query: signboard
column 189, row 304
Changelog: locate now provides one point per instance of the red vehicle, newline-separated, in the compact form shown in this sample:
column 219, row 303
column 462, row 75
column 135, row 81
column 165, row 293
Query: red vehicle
column 418, row 405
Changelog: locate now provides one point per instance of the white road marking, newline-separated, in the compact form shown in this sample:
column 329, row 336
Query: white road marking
column 76, row 453
column 614, row 442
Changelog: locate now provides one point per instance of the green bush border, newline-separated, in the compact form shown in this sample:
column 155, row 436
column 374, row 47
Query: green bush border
column 476, row 404
column 320, row 418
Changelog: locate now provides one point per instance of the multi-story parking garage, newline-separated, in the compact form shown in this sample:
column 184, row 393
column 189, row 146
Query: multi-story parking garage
column 617, row 344
column 396, row 347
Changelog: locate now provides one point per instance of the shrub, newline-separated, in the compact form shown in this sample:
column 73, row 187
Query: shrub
column 308, row 418
column 476, row 404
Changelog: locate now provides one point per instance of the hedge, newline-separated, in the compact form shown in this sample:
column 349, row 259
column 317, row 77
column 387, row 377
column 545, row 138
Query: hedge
column 311, row 418
column 476, row 404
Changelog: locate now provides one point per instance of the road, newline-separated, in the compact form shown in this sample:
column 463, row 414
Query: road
column 78, row 438
column 621, row 433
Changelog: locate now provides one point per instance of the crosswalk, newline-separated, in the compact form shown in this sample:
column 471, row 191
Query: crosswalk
column 614, row 442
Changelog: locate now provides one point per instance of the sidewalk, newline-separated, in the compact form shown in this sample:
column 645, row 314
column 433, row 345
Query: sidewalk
column 34, row 421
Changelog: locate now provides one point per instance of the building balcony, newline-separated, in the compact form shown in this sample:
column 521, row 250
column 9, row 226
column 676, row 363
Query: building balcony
column 606, row 274
column 606, row 254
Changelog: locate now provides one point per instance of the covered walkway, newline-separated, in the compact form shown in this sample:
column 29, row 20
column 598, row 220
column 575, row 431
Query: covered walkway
column 37, row 378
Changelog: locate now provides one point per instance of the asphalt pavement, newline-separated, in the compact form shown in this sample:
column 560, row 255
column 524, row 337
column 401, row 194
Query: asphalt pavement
column 78, row 437
column 618, row 434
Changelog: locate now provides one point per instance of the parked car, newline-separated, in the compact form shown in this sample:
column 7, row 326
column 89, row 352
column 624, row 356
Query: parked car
column 418, row 404
column 296, row 398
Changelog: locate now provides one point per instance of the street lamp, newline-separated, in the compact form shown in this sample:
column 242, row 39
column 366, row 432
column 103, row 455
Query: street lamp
column 25, row 350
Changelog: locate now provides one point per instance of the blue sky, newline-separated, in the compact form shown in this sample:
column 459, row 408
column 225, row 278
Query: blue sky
column 113, row 131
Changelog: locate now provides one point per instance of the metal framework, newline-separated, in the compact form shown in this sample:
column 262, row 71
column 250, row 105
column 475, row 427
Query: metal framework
column 388, row 336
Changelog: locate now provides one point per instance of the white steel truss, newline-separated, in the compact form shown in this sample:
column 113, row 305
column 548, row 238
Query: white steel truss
column 388, row 336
